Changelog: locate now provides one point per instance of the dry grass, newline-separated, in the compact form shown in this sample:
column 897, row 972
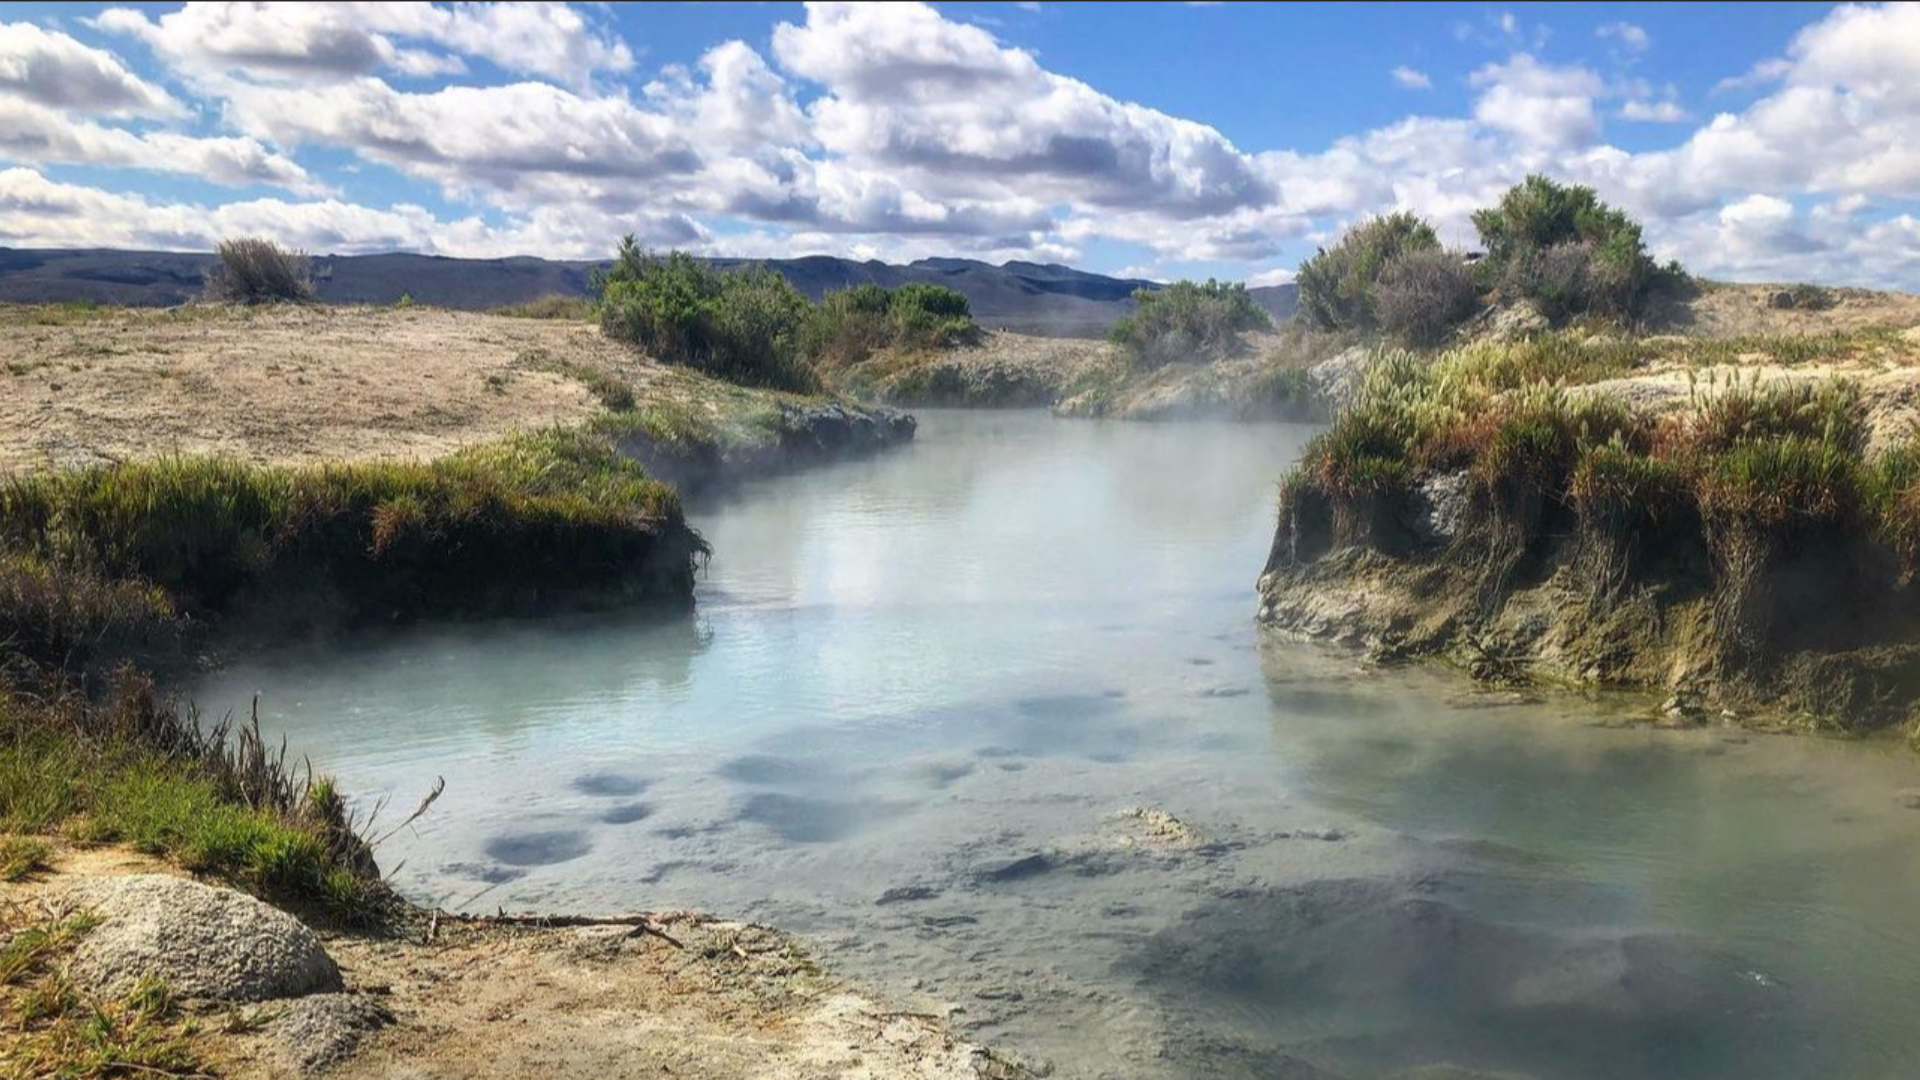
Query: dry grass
column 279, row 385
column 54, row 1031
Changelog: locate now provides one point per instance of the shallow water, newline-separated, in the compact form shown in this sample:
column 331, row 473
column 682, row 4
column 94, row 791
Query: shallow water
column 942, row 672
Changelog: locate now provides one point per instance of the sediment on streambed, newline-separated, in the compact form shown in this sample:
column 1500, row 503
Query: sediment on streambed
column 1744, row 554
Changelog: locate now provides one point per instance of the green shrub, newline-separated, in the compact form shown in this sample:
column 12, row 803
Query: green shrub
column 1337, row 283
column 1562, row 248
column 1189, row 321
column 1422, row 295
column 849, row 325
column 929, row 316
column 744, row 326
column 255, row 270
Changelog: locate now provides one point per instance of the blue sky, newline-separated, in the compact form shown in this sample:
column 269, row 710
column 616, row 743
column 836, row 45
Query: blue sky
column 1762, row 142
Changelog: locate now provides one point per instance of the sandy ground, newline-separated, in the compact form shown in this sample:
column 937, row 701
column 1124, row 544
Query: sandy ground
column 282, row 385
column 690, row 996
column 1888, row 381
column 1733, row 310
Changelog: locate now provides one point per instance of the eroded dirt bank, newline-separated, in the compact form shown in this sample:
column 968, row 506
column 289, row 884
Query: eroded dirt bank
column 1720, row 522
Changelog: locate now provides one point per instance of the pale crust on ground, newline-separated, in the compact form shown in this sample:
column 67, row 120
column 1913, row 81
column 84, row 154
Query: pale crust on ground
column 282, row 385
column 720, row 1000
column 1734, row 310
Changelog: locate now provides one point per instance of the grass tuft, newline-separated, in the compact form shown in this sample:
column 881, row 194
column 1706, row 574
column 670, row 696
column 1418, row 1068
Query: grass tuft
column 21, row 857
column 53, row 1031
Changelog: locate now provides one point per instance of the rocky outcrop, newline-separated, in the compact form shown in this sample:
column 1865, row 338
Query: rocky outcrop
column 203, row 942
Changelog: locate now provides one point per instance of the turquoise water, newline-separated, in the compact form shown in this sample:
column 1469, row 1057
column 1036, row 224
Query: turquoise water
column 943, row 671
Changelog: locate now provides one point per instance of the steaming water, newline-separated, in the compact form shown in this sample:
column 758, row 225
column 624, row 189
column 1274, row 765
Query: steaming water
column 942, row 671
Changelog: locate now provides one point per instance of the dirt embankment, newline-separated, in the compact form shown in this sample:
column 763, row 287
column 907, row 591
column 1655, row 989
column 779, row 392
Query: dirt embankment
column 670, row 994
column 1726, row 591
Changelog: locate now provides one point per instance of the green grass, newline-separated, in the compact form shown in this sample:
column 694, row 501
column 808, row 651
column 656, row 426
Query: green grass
column 1783, row 461
column 493, row 528
column 21, row 857
column 129, row 769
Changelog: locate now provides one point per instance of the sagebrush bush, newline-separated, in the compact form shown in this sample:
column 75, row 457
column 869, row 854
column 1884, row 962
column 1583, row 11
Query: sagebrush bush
column 1422, row 295
column 1561, row 247
column 1189, row 321
column 255, row 270
column 1337, row 285
column 751, row 326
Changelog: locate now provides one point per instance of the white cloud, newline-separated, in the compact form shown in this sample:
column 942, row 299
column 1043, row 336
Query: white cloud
column 518, row 141
column 35, row 210
column 49, row 68
column 319, row 39
column 32, row 133
column 1654, row 112
column 1409, row 79
column 1766, row 71
column 1538, row 104
column 1626, row 35
column 951, row 110
column 891, row 131
column 1279, row 275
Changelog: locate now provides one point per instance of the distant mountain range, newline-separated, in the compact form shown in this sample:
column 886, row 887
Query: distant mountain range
column 1031, row 298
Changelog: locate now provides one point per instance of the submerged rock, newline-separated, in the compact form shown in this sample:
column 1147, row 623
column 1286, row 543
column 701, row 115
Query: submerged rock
column 1016, row 869
column 1425, row 969
column 203, row 941
column 1154, row 827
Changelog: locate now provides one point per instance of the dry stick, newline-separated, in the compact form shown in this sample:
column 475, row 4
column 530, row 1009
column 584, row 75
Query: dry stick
column 439, row 785
column 135, row 1067
column 642, row 924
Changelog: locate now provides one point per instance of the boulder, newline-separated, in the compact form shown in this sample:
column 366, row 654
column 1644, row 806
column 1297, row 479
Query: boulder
column 204, row 942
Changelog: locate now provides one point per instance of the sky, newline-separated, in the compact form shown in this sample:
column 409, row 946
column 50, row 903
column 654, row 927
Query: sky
column 1759, row 142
